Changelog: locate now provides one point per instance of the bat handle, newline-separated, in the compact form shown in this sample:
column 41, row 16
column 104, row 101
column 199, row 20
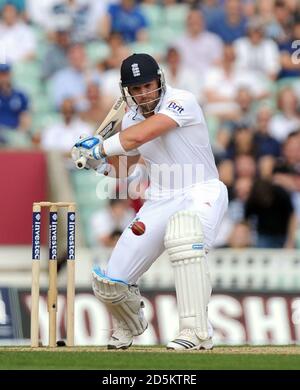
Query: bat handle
column 81, row 162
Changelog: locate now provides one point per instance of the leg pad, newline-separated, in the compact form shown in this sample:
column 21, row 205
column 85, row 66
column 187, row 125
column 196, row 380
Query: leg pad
column 184, row 242
column 124, row 301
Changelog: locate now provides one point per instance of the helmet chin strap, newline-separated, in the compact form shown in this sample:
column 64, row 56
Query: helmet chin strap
column 132, row 104
column 130, row 101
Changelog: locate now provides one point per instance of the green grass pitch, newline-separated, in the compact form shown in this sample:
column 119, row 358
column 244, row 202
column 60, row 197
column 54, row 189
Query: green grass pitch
column 152, row 358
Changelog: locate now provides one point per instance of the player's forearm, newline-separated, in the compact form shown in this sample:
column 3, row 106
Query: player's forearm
column 137, row 135
column 122, row 142
column 132, row 139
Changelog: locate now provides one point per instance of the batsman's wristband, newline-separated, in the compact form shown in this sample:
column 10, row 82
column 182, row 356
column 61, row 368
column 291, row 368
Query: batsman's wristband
column 112, row 146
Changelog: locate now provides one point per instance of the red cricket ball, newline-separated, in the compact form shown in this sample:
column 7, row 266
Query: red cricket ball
column 138, row 228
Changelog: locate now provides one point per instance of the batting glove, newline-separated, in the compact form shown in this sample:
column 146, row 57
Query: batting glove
column 88, row 148
column 91, row 146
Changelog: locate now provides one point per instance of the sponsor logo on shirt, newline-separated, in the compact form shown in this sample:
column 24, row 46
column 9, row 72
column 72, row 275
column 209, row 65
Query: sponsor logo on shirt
column 174, row 106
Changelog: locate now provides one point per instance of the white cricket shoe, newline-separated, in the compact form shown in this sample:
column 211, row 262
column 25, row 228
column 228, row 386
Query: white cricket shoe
column 120, row 339
column 187, row 339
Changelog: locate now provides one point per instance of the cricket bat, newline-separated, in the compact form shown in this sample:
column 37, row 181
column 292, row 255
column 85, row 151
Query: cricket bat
column 108, row 127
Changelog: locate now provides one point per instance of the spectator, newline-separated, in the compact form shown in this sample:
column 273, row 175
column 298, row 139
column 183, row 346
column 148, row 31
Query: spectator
column 243, row 118
column 220, row 87
column 106, row 222
column 241, row 192
column 245, row 99
column 282, row 27
column 293, row 5
column 226, row 174
column 97, row 105
column 288, row 51
column 287, row 120
column 223, row 82
column 257, row 53
column 19, row 4
column 55, row 58
column 265, row 10
column 127, row 19
column 40, row 12
column 14, row 104
column 210, row 10
column 62, row 135
column 15, row 36
column 288, row 177
column 195, row 47
column 276, row 18
column 265, row 143
column 85, row 16
column 240, row 236
column 111, row 65
column 71, row 81
column 241, row 143
column 274, row 213
column 245, row 166
column 291, row 150
column 230, row 24
column 179, row 76
column 287, row 169
column 265, row 166
column 117, row 51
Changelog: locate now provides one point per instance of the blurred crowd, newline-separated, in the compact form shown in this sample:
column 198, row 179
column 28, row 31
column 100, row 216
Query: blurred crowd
column 59, row 74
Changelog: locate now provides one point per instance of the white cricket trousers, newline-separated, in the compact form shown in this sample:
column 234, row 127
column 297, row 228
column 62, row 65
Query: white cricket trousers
column 133, row 255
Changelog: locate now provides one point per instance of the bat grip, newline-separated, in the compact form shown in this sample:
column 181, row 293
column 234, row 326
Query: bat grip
column 81, row 162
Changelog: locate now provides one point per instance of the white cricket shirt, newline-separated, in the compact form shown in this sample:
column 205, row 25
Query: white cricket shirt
column 182, row 157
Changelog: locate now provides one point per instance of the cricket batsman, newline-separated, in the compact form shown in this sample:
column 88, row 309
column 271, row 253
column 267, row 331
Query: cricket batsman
column 182, row 212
